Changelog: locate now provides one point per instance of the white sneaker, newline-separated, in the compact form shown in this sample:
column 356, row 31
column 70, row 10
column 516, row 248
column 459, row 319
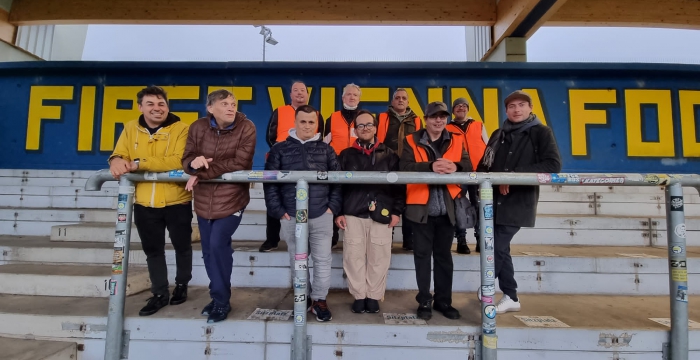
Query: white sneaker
column 507, row 304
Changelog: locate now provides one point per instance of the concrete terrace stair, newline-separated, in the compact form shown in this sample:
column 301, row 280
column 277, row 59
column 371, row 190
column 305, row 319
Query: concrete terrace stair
column 24, row 349
column 600, row 327
column 66, row 280
column 546, row 269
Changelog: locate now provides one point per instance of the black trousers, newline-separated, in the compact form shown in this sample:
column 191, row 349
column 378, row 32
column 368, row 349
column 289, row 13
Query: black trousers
column 433, row 239
column 272, row 231
column 151, row 224
column 406, row 230
column 505, row 273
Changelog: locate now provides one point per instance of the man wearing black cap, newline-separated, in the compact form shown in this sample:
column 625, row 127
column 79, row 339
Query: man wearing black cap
column 522, row 144
column 431, row 208
column 474, row 135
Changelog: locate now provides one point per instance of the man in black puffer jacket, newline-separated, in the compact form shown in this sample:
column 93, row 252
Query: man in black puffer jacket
column 304, row 150
column 369, row 216
column 522, row 144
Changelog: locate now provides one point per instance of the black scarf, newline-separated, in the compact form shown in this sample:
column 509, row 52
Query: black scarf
column 499, row 136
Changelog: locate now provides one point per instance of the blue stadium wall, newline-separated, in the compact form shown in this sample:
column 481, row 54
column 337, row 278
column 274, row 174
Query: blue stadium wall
column 606, row 117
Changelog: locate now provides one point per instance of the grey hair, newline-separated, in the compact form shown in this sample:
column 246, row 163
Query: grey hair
column 397, row 90
column 219, row 95
column 351, row 85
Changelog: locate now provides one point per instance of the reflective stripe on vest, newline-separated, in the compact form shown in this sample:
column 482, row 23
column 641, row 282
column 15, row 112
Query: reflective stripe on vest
column 384, row 126
column 473, row 140
column 418, row 194
column 285, row 121
column 342, row 134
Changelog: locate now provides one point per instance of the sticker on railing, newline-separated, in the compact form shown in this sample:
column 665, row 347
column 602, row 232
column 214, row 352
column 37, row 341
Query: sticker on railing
column 602, row 180
column 119, row 241
column 302, row 216
column 283, row 174
column 473, row 176
column 176, row 173
column 122, row 197
column 302, row 194
column 150, row 176
column 486, row 194
column 322, row 175
column 544, row 178
column 117, row 259
column 490, row 342
column 298, row 319
column 403, row 319
column 489, row 259
column 300, row 265
column 348, row 175
column 490, row 274
column 490, row 311
column 667, row 322
column 392, row 177
column 270, row 314
column 677, row 249
column 679, row 230
column 487, row 328
column 676, row 203
column 542, row 321
column 112, row 287
column 679, row 274
column 657, row 179
column 121, row 218
column 488, row 243
column 488, row 212
column 682, row 293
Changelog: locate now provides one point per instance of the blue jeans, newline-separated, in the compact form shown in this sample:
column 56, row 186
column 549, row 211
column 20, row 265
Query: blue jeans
column 218, row 254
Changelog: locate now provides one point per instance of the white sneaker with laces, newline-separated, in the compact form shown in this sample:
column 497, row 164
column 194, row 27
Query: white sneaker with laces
column 507, row 304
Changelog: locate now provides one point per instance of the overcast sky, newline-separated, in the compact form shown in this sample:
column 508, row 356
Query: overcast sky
column 378, row 43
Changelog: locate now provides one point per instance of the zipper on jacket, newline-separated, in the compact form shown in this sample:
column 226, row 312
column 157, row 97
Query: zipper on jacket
column 216, row 149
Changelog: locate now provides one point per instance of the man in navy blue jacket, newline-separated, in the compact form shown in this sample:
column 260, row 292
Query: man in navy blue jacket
column 304, row 149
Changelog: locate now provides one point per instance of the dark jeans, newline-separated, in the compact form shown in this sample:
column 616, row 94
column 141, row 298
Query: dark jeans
column 406, row 230
column 472, row 190
column 272, row 231
column 151, row 224
column 505, row 273
column 218, row 254
column 433, row 238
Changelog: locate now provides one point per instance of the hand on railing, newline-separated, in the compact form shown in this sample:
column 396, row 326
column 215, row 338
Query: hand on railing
column 191, row 183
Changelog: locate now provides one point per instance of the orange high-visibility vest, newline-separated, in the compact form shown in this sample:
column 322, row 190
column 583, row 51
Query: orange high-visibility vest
column 473, row 140
column 418, row 194
column 342, row 134
column 384, row 126
column 285, row 121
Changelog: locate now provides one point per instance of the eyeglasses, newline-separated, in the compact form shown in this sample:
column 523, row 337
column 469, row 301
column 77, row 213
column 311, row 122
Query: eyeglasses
column 364, row 126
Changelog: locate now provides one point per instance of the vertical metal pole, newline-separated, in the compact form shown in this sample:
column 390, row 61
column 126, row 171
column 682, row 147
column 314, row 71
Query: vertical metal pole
column 264, row 36
column 678, row 272
column 301, row 261
column 489, row 339
column 120, row 265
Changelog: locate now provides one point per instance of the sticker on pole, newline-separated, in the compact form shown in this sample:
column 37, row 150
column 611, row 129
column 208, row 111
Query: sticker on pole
column 302, row 216
column 488, row 243
column 270, row 314
column 127, row 189
column 542, row 321
column 473, row 176
column 486, row 194
column 176, row 173
column 299, row 319
column 403, row 319
column 122, row 197
column 121, row 218
column 302, row 194
column 299, row 283
column 117, row 259
column 682, row 293
column 119, row 241
column 679, row 274
column 692, row 325
column 677, row 249
column 300, row 298
column 488, row 212
column 490, row 342
column 112, row 287
column 488, row 328
column 678, row 264
column 490, row 274
column 676, row 203
column 490, row 311
column 151, row 176
column 544, row 178
column 488, row 290
column 322, row 175
column 489, row 259
column 680, row 230
column 297, row 230
column 300, row 265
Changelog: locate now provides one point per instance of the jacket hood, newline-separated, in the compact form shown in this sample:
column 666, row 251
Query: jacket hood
column 169, row 120
column 293, row 135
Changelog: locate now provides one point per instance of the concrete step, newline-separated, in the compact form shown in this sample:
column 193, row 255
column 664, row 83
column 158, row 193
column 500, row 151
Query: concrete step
column 66, row 280
column 539, row 268
column 24, row 349
column 599, row 327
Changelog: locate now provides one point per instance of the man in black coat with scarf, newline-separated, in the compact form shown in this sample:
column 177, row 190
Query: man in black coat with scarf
column 522, row 144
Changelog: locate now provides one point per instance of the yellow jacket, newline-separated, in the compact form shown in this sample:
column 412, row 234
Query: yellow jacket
column 159, row 152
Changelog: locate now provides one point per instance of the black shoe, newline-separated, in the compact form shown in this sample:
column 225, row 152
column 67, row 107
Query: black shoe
column 478, row 248
column 462, row 247
column 321, row 310
column 155, row 303
column 424, row 312
column 372, row 306
column 179, row 294
column 408, row 245
column 358, row 307
column 218, row 313
column 207, row 309
column 447, row 310
column 268, row 245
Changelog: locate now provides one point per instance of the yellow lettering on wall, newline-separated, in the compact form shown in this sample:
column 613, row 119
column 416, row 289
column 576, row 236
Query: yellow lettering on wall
column 184, row 93
column 580, row 116
column 371, row 94
column 112, row 116
column 435, row 94
column 277, row 97
column 634, row 98
column 689, row 100
column 491, row 106
column 536, row 104
column 86, row 122
column 415, row 104
column 38, row 111
column 327, row 101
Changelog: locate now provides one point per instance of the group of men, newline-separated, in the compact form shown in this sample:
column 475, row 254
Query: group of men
column 351, row 139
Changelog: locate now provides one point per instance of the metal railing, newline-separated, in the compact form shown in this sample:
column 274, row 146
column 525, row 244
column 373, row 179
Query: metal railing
column 675, row 219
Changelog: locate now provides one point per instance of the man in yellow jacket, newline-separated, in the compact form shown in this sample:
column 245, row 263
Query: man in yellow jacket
column 155, row 143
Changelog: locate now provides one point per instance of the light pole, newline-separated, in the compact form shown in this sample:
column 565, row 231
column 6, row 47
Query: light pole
column 267, row 37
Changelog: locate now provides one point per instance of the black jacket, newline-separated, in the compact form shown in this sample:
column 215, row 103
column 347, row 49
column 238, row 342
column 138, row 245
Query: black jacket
column 314, row 155
column 271, row 136
column 356, row 197
column 419, row 213
column 533, row 151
